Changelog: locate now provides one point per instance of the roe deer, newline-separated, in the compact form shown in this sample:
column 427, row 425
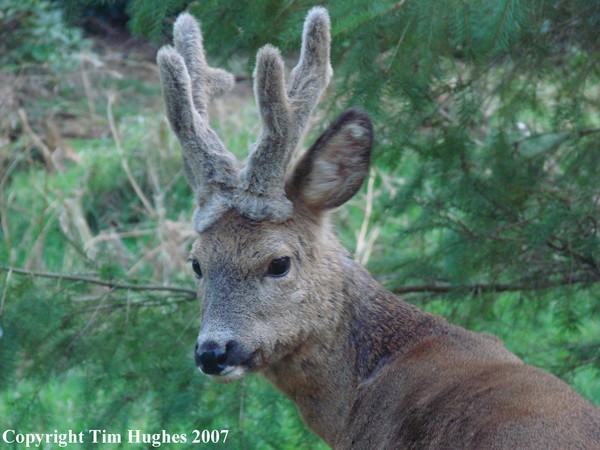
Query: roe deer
column 282, row 297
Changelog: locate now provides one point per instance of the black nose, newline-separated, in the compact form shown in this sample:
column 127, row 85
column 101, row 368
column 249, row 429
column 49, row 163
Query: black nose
column 210, row 358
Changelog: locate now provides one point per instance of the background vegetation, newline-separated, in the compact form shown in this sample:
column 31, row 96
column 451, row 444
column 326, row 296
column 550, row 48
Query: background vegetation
column 483, row 203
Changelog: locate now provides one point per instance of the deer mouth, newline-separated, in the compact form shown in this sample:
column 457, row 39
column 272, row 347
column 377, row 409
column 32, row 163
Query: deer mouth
column 229, row 374
column 232, row 372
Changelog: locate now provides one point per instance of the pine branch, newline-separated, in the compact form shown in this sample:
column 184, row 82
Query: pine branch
column 91, row 280
column 496, row 287
column 582, row 133
column 505, row 14
column 425, row 288
column 134, row 304
column 562, row 247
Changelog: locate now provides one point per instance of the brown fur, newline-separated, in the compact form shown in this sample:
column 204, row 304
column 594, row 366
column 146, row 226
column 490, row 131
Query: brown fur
column 366, row 369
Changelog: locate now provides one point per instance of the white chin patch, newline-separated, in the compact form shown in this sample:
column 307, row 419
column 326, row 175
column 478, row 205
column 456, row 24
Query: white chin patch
column 230, row 374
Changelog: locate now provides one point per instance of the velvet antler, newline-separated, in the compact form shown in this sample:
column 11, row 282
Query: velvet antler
column 284, row 112
column 189, row 84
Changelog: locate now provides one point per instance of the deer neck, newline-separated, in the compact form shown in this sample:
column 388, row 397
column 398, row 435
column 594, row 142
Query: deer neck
column 367, row 327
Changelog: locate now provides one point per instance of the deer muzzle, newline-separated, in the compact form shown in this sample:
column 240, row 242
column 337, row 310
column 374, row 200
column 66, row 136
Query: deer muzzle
column 225, row 362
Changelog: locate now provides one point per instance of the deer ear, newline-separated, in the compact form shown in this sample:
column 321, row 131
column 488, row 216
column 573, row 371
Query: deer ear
column 334, row 168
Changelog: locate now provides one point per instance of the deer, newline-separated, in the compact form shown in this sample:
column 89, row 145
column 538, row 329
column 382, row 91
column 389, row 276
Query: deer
column 280, row 296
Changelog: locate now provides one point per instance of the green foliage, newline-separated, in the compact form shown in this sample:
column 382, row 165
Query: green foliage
column 32, row 32
column 484, row 186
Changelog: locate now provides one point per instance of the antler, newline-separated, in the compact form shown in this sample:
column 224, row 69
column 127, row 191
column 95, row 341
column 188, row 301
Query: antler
column 284, row 116
column 189, row 83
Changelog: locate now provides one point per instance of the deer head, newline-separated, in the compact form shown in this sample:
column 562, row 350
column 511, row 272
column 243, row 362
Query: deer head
column 263, row 255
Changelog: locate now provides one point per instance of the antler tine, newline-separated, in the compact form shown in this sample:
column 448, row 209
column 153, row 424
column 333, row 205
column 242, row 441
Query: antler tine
column 313, row 72
column 284, row 116
column 188, row 83
column 207, row 82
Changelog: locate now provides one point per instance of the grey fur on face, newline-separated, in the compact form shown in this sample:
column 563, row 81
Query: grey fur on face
column 188, row 83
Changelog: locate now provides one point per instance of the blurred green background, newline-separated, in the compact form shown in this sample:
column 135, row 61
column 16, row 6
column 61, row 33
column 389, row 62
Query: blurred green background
column 483, row 202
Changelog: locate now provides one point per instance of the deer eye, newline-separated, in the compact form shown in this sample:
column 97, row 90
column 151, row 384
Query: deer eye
column 279, row 267
column 197, row 269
